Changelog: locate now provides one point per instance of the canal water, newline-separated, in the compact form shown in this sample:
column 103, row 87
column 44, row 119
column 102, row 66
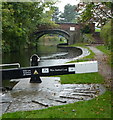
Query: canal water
column 49, row 55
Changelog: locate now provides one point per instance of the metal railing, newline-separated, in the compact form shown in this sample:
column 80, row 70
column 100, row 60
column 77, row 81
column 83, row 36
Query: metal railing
column 13, row 64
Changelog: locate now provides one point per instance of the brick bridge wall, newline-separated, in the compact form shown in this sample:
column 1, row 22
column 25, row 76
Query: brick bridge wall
column 66, row 26
column 75, row 35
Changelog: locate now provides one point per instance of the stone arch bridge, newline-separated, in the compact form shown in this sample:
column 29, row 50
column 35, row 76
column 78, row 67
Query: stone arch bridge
column 53, row 31
column 71, row 31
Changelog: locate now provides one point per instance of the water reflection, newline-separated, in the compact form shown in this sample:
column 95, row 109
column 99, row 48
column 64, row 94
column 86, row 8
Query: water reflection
column 48, row 54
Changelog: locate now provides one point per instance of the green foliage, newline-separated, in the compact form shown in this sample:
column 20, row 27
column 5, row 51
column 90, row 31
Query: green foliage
column 89, row 37
column 19, row 21
column 56, row 15
column 85, row 78
column 104, row 49
column 86, row 29
column 108, row 4
column 100, row 107
column 87, row 13
column 69, row 14
column 92, row 12
column 106, row 34
column 97, row 30
column 45, row 23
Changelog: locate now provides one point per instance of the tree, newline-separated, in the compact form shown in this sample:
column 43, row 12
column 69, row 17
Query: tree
column 47, row 21
column 56, row 15
column 19, row 20
column 98, row 13
column 69, row 14
column 107, row 34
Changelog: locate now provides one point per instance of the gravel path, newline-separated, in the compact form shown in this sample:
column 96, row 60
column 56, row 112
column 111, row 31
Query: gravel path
column 104, row 68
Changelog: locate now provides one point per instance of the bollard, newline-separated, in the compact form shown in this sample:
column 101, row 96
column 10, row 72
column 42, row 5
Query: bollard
column 35, row 78
column 34, row 60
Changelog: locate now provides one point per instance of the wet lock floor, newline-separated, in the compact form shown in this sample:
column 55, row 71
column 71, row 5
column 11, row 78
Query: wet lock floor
column 33, row 96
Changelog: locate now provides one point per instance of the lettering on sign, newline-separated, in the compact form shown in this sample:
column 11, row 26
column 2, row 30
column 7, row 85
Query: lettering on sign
column 26, row 72
column 45, row 70
column 71, row 69
column 58, row 70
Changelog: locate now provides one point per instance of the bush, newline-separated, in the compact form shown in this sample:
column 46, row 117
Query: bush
column 106, row 34
column 5, row 47
column 86, row 29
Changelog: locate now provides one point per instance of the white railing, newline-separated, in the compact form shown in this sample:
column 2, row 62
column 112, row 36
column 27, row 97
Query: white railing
column 13, row 64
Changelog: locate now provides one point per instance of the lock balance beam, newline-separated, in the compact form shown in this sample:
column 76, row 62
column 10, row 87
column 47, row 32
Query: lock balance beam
column 71, row 68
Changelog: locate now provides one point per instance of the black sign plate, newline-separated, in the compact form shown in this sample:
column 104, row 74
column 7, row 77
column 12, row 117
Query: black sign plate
column 41, row 71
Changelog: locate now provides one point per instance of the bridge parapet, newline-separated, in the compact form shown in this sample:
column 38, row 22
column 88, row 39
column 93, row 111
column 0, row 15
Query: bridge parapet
column 68, row 26
column 76, row 26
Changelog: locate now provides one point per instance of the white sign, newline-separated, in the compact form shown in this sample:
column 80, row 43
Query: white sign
column 26, row 72
column 72, row 28
column 45, row 70
column 58, row 70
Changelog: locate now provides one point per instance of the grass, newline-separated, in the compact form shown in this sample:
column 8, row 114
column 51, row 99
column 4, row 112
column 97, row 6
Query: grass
column 100, row 107
column 79, row 44
column 104, row 49
column 97, row 30
column 108, row 52
column 87, row 58
column 85, row 78
column 90, row 38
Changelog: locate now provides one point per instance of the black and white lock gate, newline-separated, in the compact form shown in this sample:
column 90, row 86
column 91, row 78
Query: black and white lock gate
column 71, row 68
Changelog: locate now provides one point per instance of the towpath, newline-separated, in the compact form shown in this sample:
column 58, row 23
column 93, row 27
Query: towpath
column 104, row 68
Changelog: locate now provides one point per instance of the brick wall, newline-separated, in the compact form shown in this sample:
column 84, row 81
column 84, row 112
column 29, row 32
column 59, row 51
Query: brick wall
column 66, row 26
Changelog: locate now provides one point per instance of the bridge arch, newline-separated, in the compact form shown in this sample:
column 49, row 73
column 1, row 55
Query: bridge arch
column 63, row 33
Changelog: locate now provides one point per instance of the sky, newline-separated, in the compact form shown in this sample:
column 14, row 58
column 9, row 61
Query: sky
column 62, row 3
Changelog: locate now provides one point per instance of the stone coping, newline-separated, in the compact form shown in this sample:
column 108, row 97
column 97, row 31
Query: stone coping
column 85, row 52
